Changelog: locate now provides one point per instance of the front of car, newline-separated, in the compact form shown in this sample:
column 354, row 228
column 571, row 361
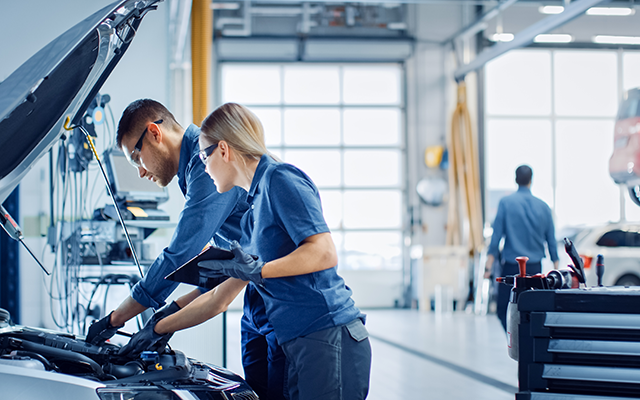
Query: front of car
column 38, row 363
column 618, row 243
column 39, row 102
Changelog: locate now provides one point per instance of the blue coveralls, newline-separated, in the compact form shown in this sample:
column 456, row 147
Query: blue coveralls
column 313, row 316
column 263, row 360
column 206, row 214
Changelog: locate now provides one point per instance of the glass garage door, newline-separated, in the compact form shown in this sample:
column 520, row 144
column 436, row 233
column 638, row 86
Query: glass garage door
column 343, row 125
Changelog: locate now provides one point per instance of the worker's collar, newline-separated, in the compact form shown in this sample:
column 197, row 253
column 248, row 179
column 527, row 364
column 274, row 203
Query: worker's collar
column 189, row 148
column 524, row 189
column 264, row 163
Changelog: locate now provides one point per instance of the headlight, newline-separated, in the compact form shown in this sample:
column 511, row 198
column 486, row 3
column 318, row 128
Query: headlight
column 136, row 394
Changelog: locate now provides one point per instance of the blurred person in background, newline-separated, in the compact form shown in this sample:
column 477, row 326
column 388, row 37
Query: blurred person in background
column 526, row 224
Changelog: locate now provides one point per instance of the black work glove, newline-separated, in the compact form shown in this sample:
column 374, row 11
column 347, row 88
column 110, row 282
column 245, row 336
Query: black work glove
column 147, row 338
column 242, row 266
column 165, row 311
column 101, row 330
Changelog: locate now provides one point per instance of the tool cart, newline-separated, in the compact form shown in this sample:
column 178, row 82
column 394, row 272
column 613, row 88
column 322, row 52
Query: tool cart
column 571, row 342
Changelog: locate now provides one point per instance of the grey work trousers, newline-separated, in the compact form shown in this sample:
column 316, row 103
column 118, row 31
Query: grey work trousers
column 331, row 364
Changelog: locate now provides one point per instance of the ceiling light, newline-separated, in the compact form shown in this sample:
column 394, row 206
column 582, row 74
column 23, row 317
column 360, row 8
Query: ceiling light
column 611, row 11
column 502, row 37
column 550, row 9
column 616, row 39
column 553, row 38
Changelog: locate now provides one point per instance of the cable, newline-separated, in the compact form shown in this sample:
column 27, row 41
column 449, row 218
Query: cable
column 107, row 280
column 72, row 195
column 56, row 278
column 62, row 275
column 108, row 184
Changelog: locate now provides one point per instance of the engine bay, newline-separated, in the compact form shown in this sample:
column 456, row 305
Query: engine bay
column 45, row 350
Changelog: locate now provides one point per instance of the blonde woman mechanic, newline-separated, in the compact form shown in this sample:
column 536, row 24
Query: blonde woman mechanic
column 314, row 318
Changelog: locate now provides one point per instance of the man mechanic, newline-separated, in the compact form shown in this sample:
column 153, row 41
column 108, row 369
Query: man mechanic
column 154, row 143
column 160, row 149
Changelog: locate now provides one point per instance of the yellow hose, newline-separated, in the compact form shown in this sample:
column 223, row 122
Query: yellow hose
column 464, row 178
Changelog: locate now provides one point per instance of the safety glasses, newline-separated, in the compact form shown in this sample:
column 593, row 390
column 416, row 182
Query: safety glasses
column 134, row 157
column 205, row 153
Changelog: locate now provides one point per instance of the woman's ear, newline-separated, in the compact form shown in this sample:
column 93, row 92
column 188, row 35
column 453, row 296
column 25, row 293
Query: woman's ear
column 225, row 150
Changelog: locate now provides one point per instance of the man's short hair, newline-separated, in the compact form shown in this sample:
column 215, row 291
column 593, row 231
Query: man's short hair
column 141, row 112
column 523, row 175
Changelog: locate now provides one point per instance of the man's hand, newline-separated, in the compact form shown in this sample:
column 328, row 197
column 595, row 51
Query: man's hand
column 488, row 266
column 165, row 311
column 242, row 266
column 147, row 338
column 101, row 330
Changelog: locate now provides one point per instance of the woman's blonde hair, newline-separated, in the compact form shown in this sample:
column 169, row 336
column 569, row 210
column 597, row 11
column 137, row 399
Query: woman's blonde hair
column 239, row 127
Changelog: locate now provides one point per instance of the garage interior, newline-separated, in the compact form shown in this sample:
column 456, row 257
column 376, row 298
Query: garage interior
column 411, row 118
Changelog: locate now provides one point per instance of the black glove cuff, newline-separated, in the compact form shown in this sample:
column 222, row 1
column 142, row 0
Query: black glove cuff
column 109, row 326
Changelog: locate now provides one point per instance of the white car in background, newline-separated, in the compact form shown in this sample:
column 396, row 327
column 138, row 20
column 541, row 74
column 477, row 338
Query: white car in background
column 619, row 243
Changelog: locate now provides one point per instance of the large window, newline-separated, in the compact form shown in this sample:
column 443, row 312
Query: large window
column 343, row 125
column 555, row 110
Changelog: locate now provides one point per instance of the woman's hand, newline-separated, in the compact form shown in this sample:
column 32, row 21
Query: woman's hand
column 242, row 266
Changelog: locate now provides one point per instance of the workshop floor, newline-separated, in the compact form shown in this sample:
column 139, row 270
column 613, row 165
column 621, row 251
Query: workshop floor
column 426, row 356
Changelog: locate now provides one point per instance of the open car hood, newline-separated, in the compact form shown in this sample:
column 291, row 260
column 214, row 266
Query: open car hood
column 59, row 82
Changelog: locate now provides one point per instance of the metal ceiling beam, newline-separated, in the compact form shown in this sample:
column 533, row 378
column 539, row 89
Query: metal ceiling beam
column 481, row 23
column 526, row 36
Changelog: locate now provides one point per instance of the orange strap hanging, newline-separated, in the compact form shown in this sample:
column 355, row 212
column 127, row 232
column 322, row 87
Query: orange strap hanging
column 464, row 179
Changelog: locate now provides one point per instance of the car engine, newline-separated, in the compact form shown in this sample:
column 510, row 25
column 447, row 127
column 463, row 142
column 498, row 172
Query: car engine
column 45, row 350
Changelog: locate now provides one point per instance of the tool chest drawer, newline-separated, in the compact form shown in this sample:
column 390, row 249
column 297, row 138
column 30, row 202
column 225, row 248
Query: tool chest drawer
column 579, row 344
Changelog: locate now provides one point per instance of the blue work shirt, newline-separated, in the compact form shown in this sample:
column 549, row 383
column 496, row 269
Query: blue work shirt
column 206, row 214
column 526, row 224
column 285, row 209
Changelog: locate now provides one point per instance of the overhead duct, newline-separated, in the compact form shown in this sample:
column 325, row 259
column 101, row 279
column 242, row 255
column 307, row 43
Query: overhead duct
column 249, row 19
column 257, row 49
column 312, row 49
column 357, row 50
column 243, row 21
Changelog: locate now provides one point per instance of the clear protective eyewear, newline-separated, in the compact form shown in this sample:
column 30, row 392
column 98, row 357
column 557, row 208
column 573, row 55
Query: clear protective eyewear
column 134, row 157
column 205, row 153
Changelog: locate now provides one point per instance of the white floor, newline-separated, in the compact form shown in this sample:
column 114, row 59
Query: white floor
column 426, row 356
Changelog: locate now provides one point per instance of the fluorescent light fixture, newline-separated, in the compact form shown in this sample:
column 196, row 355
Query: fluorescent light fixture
column 553, row 38
column 616, row 39
column 608, row 11
column 502, row 37
column 550, row 9
column 611, row 11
